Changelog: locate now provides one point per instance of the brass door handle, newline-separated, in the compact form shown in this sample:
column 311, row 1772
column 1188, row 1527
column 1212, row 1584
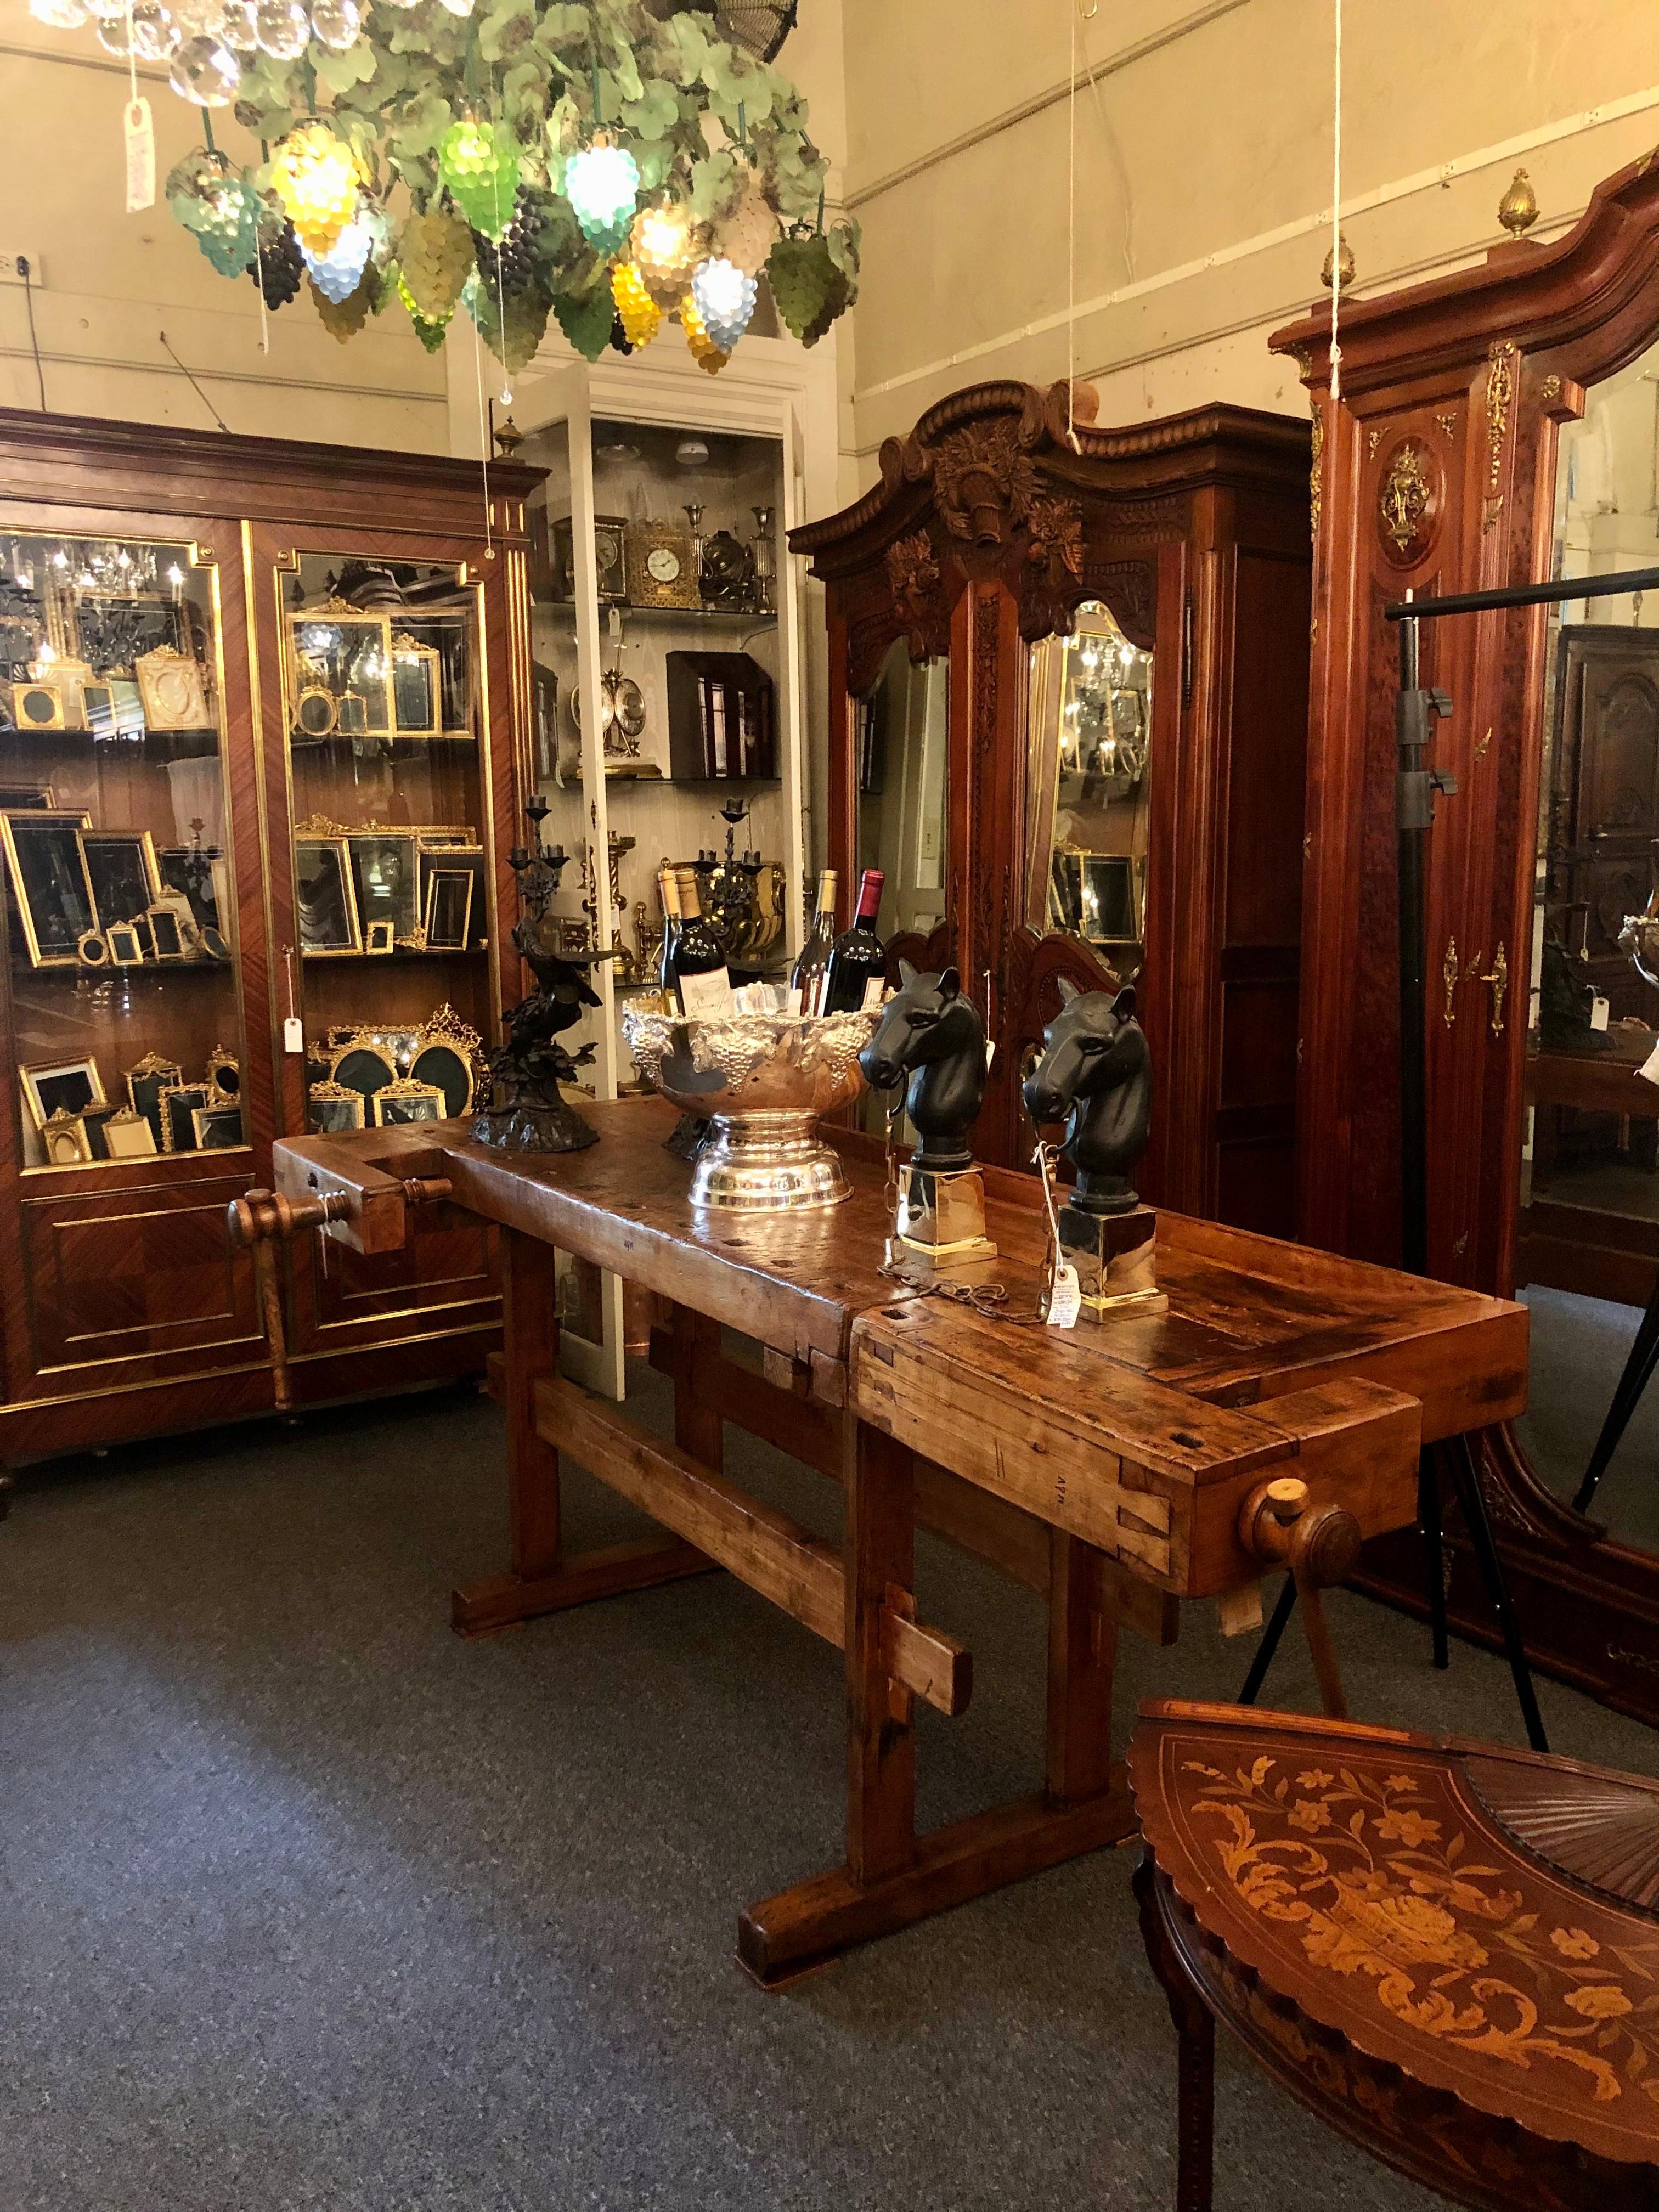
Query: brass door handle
column 1498, row 976
column 1448, row 978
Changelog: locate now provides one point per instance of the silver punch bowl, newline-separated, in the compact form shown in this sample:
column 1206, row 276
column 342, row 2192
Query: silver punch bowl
column 763, row 1081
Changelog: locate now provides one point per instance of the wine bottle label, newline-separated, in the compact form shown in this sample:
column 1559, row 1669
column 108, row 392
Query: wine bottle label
column 872, row 991
column 706, row 998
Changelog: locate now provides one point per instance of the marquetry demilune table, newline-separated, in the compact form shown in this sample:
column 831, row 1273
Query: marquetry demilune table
column 1272, row 1415
column 1448, row 1951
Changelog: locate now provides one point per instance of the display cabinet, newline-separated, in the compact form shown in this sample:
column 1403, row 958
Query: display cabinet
column 661, row 586
column 1495, row 427
column 258, row 777
column 1067, row 686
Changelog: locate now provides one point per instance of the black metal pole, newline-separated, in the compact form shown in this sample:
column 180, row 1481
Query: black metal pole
column 1269, row 1644
column 1612, row 585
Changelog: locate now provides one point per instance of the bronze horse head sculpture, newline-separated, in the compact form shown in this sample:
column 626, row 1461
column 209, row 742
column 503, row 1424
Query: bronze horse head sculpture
column 931, row 1031
column 1096, row 1074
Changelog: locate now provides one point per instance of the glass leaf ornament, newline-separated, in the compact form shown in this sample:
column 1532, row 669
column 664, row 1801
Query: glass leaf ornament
column 799, row 271
column 458, row 7
column 586, row 319
column 283, row 28
column 637, row 312
column 704, row 351
column 59, row 14
column 337, row 23
column 480, row 166
column 315, row 176
column 747, row 234
column 434, row 254
column 343, row 318
column 278, row 267
column 725, row 299
column 206, row 72
column 663, row 248
column 602, row 183
column 338, row 273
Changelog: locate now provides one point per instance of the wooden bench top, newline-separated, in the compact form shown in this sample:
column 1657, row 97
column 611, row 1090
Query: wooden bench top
column 1250, row 1318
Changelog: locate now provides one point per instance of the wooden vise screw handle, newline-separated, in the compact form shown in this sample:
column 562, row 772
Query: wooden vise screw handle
column 254, row 1222
column 1320, row 1544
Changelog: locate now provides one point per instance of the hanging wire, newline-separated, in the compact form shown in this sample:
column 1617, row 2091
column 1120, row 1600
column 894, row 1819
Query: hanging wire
column 483, row 443
column 1336, row 205
column 1071, row 7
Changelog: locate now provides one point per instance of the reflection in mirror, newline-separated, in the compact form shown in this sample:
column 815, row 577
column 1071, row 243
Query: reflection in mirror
column 900, row 733
column 902, row 744
column 1586, row 1242
column 1091, row 727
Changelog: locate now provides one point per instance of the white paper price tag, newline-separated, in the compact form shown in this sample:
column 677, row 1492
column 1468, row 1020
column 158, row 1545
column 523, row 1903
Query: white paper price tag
column 706, row 998
column 294, row 1036
column 990, row 1053
column 1065, row 1299
column 1650, row 1066
column 1600, row 1008
column 793, row 1006
column 141, row 155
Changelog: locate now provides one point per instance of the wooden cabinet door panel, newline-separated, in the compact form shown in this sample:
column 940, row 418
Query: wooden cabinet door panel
column 448, row 1261
column 142, row 1278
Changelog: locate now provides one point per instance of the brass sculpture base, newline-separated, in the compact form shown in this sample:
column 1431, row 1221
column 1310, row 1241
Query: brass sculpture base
column 1116, row 1258
column 941, row 1225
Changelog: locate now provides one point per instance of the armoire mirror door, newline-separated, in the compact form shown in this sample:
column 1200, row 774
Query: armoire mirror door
column 1586, row 1240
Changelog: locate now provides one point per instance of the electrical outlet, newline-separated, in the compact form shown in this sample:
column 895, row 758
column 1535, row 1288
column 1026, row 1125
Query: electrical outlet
column 11, row 274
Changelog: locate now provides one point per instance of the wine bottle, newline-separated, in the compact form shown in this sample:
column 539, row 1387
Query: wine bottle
column 808, row 976
column 858, row 965
column 668, row 891
column 700, row 969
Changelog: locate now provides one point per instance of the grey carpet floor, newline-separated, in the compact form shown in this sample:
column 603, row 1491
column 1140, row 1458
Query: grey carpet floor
column 305, row 1902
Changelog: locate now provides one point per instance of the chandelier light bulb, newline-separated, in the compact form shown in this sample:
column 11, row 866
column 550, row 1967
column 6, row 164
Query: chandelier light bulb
column 338, row 273
column 206, row 72
column 315, row 178
column 663, row 250
column 602, row 183
column 724, row 297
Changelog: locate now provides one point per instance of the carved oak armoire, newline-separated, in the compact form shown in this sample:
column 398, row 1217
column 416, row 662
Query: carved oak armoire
column 1067, row 671
column 1498, row 426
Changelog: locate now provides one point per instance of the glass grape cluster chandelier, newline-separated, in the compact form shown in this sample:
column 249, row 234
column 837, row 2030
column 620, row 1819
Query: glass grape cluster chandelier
column 608, row 165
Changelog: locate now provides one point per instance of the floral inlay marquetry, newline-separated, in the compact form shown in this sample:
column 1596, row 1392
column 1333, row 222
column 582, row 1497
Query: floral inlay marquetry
column 1316, row 472
column 1380, row 1882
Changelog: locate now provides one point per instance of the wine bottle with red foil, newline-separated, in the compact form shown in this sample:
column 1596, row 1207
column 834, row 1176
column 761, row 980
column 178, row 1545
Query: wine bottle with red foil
column 858, row 965
column 810, row 975
column 700, row 973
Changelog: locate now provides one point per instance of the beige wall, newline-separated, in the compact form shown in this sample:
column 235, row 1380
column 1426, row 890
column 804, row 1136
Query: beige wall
column 115, row 282
column 1207, row 127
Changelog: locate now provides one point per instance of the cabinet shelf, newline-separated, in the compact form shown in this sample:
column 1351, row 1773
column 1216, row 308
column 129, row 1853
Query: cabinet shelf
column 668, row 617
column 401, row 956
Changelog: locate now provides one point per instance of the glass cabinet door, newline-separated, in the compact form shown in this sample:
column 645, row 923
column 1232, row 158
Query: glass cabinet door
column 383, row 693
column 119, row 878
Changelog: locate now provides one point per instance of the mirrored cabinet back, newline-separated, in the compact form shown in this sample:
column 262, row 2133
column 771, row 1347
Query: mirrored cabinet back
column 262, row 718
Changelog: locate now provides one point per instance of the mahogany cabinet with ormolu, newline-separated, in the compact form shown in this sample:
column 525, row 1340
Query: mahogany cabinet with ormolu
column 1497, row 428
